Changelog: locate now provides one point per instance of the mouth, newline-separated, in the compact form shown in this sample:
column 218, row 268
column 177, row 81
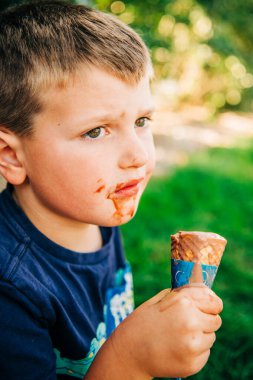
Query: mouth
column 126, row 189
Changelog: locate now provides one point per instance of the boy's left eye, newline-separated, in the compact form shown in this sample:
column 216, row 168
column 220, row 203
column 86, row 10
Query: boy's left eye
column 142, row 122
column 95, row 133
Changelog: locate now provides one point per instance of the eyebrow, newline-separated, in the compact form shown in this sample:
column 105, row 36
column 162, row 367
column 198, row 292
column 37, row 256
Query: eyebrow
column 106, row 116
column 147, row 111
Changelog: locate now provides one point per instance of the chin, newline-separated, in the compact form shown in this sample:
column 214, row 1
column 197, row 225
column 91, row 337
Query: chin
column 118, row 220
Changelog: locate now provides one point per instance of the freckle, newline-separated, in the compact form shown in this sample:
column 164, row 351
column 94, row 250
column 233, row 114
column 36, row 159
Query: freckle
column 99, row 180
column 100, row 189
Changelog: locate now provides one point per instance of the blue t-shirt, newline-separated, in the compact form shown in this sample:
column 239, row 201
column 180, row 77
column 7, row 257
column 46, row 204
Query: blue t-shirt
column 57, row 306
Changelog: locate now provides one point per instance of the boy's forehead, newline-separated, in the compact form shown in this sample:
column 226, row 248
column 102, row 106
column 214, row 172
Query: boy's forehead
column 97, row 91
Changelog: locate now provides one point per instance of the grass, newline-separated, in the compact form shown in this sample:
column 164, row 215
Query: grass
column 214, row 192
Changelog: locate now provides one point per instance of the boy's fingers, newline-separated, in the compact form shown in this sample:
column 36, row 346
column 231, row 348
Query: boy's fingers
column 211, row 323
column 171, row 297
column 202, row 354
column 210, row 340
column 202, row 344
column 205, row 299
column 210, row 304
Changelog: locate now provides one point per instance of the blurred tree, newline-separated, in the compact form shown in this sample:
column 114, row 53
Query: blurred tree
column 196, row 46
column 234, row 34
column 237, row 14
column 201, row 49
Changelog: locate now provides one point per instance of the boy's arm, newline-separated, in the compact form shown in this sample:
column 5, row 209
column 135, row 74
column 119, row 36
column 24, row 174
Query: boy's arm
column 26, row 349
column 168, row 336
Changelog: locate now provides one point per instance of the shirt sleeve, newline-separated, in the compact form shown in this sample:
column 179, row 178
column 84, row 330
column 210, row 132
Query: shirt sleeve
column 26, row 350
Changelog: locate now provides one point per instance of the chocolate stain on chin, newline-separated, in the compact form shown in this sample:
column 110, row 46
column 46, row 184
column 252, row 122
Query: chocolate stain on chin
column 123, row 207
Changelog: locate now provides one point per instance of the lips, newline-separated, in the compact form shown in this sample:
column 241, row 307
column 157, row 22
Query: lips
column 126, row 189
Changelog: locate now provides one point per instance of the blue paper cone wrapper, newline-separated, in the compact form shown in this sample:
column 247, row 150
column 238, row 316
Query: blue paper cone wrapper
column 181, row 273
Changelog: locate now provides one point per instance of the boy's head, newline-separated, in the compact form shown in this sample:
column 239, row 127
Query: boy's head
column 75, row 105
column 44, row 43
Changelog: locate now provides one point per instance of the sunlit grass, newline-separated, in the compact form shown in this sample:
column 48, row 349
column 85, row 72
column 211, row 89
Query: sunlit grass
column 214, row 192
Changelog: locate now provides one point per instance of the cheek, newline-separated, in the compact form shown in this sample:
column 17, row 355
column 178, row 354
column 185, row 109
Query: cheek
column 151, row 155
column 55, row 172
column 86, row 181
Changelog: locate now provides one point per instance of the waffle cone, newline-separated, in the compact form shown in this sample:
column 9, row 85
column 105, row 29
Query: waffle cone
column 198, row 247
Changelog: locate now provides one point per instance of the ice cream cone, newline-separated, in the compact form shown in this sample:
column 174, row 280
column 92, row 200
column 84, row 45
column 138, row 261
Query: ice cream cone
column 195, row 257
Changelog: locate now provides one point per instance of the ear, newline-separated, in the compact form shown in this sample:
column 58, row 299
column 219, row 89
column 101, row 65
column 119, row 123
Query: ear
column 11, row 167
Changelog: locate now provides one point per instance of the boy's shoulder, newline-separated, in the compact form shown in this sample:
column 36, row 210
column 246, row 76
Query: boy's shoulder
column 16, row 276
column 10, row 249
column 22, row 279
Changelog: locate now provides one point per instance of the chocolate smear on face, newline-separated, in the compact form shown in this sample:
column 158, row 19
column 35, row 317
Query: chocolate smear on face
column 100, row 189
column 123, row 207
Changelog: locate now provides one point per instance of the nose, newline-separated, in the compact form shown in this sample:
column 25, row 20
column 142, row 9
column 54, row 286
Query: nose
column 134, row 152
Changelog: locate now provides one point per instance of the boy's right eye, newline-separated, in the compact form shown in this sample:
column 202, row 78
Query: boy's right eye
column 95, row 133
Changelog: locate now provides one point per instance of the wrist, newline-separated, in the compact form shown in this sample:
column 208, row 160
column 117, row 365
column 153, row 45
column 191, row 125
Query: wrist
column 115, row 361
column 124, row 348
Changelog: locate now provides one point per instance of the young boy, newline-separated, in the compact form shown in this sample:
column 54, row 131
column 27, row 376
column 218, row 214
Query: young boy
column 76, row 150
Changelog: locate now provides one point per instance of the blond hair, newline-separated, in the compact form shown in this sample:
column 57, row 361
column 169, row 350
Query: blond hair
column 43, row 43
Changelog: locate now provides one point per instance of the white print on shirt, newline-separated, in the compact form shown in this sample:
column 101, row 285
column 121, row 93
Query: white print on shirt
column 119, row 304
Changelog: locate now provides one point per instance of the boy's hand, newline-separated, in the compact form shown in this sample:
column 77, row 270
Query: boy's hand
column 170, row 335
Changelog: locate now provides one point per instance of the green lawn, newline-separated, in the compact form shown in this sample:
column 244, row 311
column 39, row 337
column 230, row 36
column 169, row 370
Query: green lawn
column 214, row 192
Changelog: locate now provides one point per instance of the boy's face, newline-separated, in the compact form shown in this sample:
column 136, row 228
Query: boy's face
column 92, row 151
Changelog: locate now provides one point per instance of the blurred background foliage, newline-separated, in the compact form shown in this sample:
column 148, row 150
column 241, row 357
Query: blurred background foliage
column 201, row 49
column 202, row 54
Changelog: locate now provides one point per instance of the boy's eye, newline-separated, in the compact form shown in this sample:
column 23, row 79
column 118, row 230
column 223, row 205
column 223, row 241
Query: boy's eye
column 95, row 133
column 142, row 122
